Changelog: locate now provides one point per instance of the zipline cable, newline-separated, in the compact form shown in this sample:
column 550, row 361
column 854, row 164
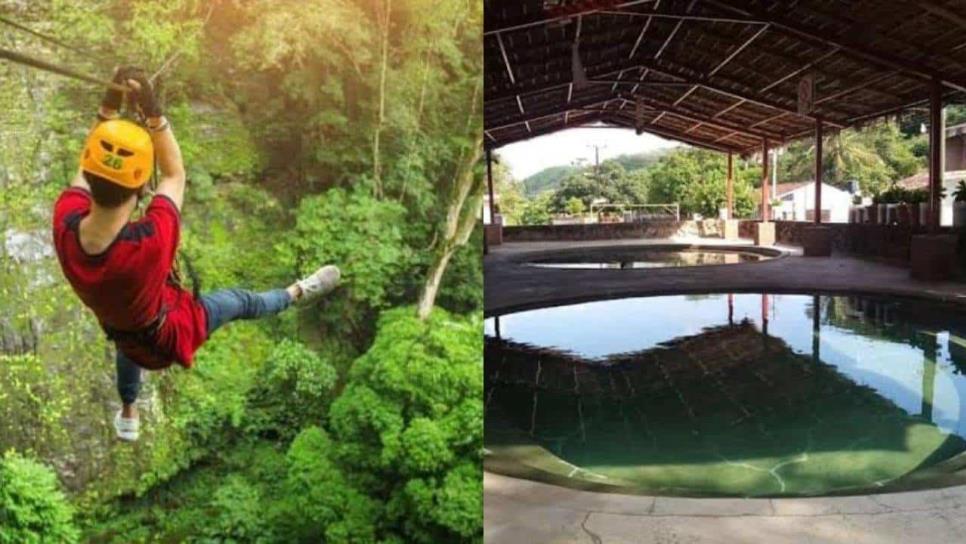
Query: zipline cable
column 20, row 58
column 43, row 65
column 47, row 38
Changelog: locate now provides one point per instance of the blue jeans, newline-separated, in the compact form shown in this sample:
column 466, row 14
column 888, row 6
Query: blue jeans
column 222, row 307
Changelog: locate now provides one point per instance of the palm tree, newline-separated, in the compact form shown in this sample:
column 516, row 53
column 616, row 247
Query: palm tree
column 845, row 155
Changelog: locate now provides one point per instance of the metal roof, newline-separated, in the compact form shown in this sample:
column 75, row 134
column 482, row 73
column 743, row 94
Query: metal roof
column 717, row 74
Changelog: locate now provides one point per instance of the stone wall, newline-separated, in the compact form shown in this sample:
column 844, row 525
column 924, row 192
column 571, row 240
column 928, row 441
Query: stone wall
column 612, row 231
column 889, row 242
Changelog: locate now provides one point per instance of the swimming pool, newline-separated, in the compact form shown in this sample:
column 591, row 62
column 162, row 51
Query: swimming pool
column 729, row 394
column 653, row 256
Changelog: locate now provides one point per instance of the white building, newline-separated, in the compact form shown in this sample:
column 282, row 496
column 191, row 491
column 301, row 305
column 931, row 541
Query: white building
column 798, row 203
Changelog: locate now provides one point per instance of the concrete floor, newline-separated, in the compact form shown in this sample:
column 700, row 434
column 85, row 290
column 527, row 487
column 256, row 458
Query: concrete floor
column 522, row 511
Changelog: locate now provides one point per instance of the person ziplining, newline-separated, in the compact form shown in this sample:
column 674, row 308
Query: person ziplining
column 124, row 270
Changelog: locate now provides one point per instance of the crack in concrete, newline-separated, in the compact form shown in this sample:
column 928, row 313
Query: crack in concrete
column 594, row 537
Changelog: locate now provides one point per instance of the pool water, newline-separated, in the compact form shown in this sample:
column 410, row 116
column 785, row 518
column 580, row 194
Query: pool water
column 647, row 258
column 737, row 395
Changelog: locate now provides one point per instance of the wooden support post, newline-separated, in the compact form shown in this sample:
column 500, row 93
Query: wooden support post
column 765, row 229
column 493, row 233
column 489, row 181
column 936, row 151
column 486, row 245
column 818, row 171
column 729, row 226
column 730, row 190
column 765, row 204
column 932, row 256
column 816, row 239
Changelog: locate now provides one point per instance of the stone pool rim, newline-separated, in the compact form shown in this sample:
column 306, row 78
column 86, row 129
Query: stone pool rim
column 530, row 259
column 949, row 472
column 902, row 293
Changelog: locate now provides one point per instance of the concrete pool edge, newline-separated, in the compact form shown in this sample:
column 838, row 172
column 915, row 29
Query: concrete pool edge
column 540, row 493
column 926, row 480
column 770, row 253
column 934, row 297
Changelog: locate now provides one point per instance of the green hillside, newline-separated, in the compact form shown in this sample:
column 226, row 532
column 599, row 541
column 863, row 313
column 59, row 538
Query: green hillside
column 549, row 179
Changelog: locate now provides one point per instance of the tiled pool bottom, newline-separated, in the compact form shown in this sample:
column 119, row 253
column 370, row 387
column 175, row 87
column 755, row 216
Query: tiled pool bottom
column 740, row 395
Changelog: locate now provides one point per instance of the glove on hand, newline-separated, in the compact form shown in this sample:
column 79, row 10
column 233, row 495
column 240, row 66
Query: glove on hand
column 112, row 97
column 144, row 97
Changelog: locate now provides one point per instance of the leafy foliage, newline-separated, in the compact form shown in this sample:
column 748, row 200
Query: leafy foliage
column 294, row 389
column 409, row 424
column 696, row 179
column 323, row 502
column 237, row 513
column 33, row 509
column 364, row 236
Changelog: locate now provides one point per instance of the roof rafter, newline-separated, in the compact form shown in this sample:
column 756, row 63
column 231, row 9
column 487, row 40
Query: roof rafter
column 541, row 22
column 845, row 43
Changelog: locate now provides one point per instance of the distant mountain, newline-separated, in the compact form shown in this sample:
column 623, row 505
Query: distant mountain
column 550, row 178
column 637, row 161
column 547, row 179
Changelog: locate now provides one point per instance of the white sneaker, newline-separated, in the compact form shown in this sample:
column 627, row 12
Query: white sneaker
column 323, row 281
column 127, row 429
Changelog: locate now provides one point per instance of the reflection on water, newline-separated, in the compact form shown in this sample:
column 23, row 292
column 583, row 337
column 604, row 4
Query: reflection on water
column 647, row 258
column 729, row 394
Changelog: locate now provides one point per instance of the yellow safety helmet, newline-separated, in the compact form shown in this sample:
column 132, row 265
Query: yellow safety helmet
column 119, row 151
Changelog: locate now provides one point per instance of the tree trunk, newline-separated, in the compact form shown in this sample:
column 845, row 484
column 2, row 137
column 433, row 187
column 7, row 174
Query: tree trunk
column 380, row 120
column 460, row 221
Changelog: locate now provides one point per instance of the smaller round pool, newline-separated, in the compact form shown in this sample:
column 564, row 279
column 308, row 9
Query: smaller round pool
column 656, row 256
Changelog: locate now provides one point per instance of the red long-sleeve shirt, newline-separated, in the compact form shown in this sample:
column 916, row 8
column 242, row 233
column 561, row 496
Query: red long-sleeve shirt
column 127, row 284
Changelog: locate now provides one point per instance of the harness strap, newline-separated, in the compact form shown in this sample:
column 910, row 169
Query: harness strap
column 145, row 336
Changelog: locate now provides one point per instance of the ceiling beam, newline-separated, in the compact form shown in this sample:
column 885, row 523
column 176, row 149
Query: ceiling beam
column 673, row 135
column 618, row 122
column 854, row 46
column 943, row 12
column 519, row 136
column 509, row 121
column 738, row 50
column 794, row 60
column 568, row 16
column 506, row 60
column 644, row 83
column 672, row 70
column 720, row 89
column 863, row 32
column 797, row 71
column 685, row 17
column 721, row 65
column 637, row 43
column 700, row 117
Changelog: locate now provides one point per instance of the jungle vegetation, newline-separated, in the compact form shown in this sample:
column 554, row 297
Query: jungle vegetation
column 332, row 131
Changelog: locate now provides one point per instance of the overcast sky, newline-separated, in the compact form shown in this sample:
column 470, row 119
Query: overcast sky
column 564, row 147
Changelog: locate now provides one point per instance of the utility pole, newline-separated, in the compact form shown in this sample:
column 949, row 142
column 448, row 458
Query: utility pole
column 597, row 148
